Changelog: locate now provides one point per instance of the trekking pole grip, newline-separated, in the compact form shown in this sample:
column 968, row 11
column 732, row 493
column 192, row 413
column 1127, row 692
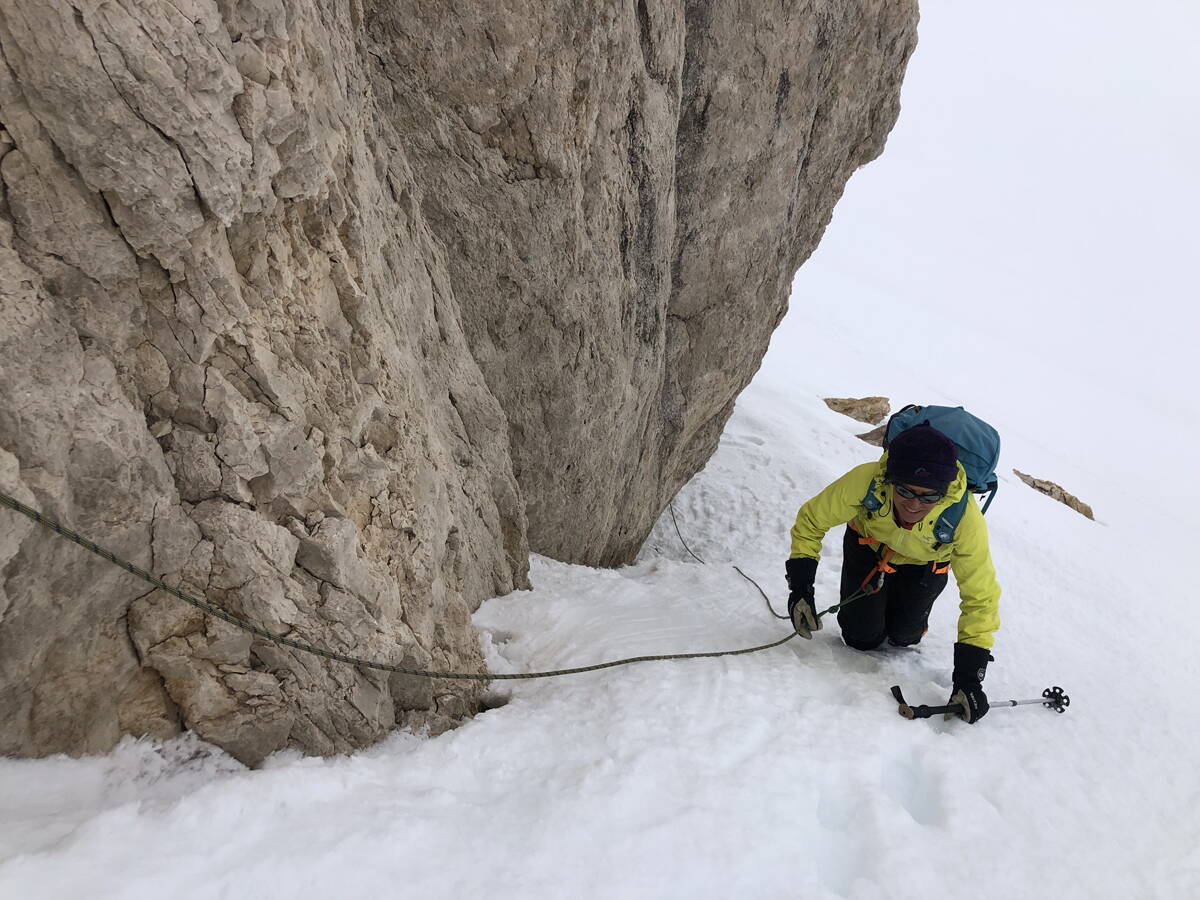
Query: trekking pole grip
column 922, row 711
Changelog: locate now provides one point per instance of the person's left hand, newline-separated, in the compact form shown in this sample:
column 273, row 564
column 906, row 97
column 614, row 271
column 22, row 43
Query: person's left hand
column 973, row 703
column 970, row 666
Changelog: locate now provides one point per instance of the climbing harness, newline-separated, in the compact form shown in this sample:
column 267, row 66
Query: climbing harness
column 245, row 625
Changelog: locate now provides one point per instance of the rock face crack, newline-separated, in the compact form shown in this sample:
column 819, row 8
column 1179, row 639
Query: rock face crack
column 349, row 312
column 113, row 221
column 81, row 22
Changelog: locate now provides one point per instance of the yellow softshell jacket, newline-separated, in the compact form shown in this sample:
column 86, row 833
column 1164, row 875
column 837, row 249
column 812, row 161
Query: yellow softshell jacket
column 967, row 554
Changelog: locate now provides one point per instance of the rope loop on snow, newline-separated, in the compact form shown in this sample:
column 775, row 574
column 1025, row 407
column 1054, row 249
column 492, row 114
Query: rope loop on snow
column 258, row 630
column 857, row 595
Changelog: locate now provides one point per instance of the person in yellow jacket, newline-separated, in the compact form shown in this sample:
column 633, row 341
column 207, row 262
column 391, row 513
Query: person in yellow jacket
column 892, row 552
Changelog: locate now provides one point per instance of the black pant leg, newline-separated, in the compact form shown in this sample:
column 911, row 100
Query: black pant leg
column 862, row 622
column 911, row 591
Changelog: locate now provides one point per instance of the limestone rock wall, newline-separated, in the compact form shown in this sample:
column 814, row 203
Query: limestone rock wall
column 328, row 310
column 230, row 352
column 627, row 195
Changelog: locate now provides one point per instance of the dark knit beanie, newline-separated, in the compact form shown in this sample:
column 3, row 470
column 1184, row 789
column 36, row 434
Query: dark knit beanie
column 922, row 456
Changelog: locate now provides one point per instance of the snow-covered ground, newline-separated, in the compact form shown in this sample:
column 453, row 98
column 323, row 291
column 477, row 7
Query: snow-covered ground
column 951, row 273
column 786, row 773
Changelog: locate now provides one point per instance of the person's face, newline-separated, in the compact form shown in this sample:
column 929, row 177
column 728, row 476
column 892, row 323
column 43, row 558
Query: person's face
column 911, row 510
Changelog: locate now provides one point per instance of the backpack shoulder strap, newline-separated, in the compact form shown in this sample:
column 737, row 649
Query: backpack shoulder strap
column 947, row 522
column 870, row 502
column 992, row 485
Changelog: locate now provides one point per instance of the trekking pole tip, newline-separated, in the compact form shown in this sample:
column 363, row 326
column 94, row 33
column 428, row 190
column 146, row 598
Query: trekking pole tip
column 1055, row 699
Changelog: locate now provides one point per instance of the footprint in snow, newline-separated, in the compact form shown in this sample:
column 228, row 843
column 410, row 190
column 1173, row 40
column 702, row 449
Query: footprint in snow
column 849, row 660
column 845, row 810
column 909, row 780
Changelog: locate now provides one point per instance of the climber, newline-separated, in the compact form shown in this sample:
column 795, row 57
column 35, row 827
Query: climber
column 891, row 552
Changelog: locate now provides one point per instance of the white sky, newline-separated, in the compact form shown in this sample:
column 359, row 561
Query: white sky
column 1031, row 224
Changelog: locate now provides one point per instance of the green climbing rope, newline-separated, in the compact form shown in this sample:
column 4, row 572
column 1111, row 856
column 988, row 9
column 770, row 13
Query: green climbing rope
column 285, row 641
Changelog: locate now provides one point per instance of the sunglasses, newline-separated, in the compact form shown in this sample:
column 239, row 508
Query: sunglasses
column 930, row 499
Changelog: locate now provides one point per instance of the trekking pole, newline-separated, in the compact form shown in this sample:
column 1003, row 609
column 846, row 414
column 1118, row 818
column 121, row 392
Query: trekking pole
column 1052, row 698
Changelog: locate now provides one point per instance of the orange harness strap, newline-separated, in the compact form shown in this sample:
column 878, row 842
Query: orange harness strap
column 888, row 553
column 881, row 566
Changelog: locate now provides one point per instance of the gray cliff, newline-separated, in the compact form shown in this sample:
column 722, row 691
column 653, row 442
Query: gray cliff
column 331, row 311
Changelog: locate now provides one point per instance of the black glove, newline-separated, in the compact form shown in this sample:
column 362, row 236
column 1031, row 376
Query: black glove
column 970, row 665
column 801, row 573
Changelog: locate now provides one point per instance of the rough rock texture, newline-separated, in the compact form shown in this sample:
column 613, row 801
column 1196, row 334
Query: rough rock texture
column 871, row 410
column 328, row 310
column 874, row 436
column 1050, row 489
column 626, row 196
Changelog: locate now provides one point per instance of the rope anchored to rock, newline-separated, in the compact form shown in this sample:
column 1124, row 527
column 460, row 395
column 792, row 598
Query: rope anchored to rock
column 245, row 625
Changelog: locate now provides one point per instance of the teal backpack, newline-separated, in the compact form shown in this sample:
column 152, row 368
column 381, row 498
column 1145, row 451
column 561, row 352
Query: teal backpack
column 978, row 446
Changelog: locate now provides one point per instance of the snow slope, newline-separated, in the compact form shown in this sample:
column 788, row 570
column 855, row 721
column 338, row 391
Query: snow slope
column 977, row 262
column 786, row 773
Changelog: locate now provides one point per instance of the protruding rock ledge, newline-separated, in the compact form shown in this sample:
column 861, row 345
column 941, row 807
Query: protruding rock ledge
column 871, row 410
column 1050, row 489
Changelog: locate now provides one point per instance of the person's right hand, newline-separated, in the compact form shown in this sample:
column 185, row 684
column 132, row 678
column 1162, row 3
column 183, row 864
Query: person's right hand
column 801, row 574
